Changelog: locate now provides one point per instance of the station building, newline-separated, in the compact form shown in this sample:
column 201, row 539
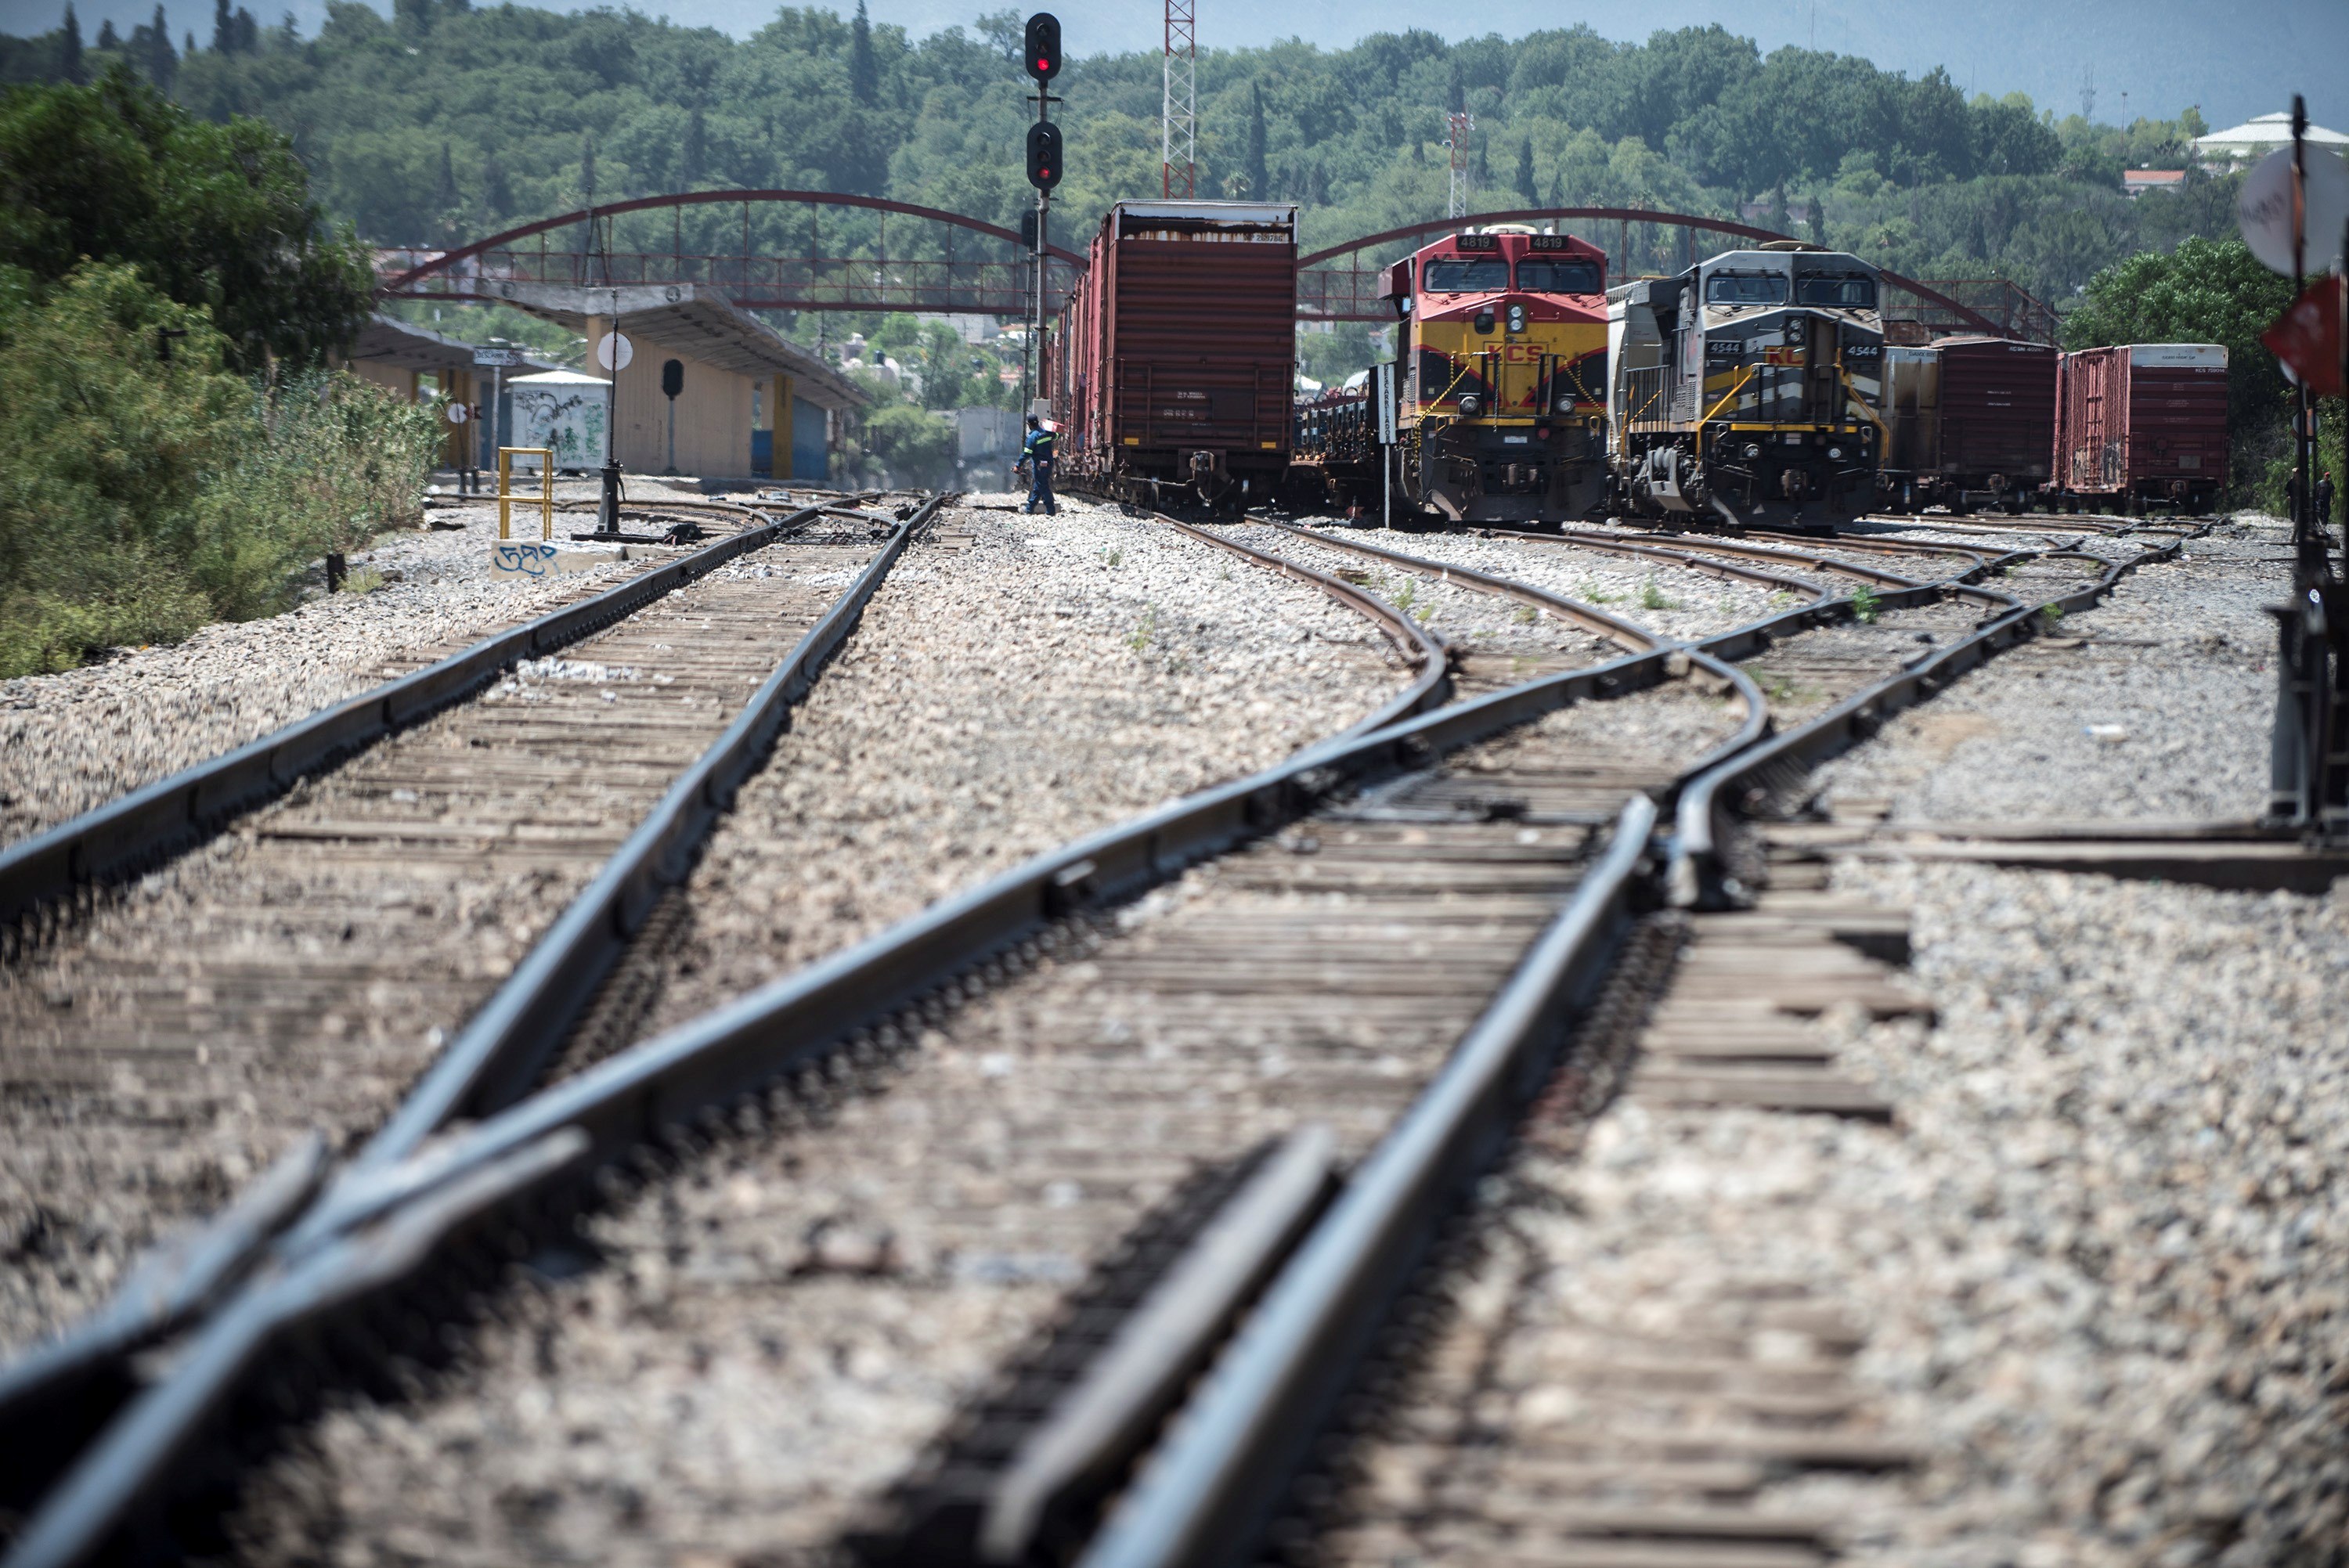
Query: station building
column 749, row 405
column 414, row 362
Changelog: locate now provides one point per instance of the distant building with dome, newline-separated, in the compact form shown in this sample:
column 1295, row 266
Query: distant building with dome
column 2255, row 139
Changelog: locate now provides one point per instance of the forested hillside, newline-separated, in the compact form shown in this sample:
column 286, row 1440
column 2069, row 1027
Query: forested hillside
column 446, row 122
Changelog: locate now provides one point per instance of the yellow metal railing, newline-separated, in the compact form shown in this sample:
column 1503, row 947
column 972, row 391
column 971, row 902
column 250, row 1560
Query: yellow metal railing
column 545, row 496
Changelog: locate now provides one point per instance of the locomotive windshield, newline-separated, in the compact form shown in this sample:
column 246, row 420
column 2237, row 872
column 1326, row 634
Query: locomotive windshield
column 1543, row 275
column 1745, row 288
column 1837, row 292
column 1481, row 276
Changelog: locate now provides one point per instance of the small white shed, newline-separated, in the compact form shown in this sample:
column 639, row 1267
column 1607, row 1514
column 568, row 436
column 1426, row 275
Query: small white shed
column 564, row 409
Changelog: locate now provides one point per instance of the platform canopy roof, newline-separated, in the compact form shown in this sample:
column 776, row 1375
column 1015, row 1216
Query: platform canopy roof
column 697, row 320
column 387, row 340
column 2255, row 138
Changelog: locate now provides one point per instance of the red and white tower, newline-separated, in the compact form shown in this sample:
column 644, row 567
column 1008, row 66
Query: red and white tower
column 1178, row 140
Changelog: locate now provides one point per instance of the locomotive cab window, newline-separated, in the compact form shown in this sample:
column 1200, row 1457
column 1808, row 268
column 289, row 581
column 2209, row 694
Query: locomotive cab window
column 1745, row 288
column 1445, row 277
column 1548, row 276
column 1837, row 292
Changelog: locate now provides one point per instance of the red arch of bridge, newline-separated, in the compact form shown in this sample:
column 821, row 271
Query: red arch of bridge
column 1630, row 215
column 709, row 198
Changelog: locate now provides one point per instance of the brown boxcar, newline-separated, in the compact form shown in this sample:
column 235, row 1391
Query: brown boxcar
column 1177, row 351
column 1998, row 418
column 2142, row 425
column 1969, row 421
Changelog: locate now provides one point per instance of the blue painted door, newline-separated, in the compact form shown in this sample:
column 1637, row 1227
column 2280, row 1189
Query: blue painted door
column 762, row 453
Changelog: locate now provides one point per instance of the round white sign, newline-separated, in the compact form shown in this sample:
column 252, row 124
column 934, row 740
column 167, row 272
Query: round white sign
column 458, row 413
column 614, row 352
column 2263, row 210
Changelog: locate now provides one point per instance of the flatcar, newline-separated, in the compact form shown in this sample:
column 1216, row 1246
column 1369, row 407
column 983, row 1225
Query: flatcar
column 1747, row 390
column 1970, row 422
column 2141, row 426
column 1170, row 375
column 1500, row 387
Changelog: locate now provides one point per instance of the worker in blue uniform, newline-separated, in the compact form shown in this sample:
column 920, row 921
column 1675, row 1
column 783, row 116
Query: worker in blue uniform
column 1038, row 454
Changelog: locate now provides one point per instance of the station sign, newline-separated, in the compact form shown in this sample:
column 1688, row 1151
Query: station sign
column 487, row 357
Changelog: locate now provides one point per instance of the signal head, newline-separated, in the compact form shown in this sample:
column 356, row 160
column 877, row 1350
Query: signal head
column 1042, row 47
column 1044, row 155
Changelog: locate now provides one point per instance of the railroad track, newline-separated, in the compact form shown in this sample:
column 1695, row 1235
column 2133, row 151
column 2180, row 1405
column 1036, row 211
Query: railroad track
column 496, row 1057
column 1405, row 920
column 502, row 823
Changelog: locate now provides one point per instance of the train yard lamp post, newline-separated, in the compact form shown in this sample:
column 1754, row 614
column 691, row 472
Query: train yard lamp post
column 614, row 354
column 1041, row 58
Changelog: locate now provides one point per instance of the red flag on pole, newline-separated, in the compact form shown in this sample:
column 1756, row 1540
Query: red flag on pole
column 2307, row 337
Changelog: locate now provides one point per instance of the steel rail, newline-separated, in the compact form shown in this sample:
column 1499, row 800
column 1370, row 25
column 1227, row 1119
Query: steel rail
column 1624, row 633
column 1418, row 644
column 1206, row 1493
column 1697, row 875
column 74, row 1381
column 1203, row 1496
column 319, row 1278
column 152, row 823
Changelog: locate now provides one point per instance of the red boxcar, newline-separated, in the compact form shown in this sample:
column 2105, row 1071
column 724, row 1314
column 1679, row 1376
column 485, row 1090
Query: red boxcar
column 1998, row 418
column 1177, row 351
column 2142, row 425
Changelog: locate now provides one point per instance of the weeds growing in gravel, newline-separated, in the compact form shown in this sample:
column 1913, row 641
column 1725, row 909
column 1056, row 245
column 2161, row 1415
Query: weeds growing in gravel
column 1652, row 597
column 1590, row 592
column 1113, row 558
column 1527, row 614
column 1406, row 594
column 1866, row 604
column 142, row 497
column 365, row 580
column 1138, row 641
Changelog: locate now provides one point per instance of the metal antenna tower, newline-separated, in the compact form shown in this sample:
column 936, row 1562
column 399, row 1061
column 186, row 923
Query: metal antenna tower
column 1461, row 123
column 1179, row 121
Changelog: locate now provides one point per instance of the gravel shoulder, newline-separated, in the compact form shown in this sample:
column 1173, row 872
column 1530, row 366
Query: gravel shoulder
column 73, row 741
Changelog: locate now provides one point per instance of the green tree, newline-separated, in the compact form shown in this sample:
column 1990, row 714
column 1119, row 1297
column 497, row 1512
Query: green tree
column 142, row 495
column 69, row 62
column 1525, row 171
column 863, row 72
column 218, row 216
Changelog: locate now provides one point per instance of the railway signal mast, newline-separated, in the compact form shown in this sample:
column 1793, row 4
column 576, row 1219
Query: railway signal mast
column 1041, row 56
column 1179, row 119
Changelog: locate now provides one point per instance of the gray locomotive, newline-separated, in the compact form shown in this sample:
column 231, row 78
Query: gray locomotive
column 1747, row 390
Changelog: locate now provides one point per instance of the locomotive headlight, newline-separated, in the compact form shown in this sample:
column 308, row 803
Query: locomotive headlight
column 1516, row 319
column 1752, row 451
column 1565, row 405
column 1835, row 454
column 1470, row 403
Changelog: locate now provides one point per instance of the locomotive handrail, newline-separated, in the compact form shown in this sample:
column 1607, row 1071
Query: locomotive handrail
column 1742, row 377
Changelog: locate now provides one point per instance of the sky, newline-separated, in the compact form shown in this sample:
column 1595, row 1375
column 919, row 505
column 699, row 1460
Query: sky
column 2231, row 59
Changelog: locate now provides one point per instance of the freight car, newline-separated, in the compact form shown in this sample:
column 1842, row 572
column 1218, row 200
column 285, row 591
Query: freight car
column 1746, row 390
column 2141, row 426
column 1969, row 421
column 1175, row 355
column 1500, row 388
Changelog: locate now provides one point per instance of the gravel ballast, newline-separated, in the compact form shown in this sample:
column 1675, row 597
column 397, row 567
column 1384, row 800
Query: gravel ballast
column 2158, row 704
column 1057, row 675
column 73, row 741
column 2098, row 1264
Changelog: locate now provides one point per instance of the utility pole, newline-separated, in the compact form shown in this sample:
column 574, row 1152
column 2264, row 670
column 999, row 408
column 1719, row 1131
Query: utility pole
column 1179, row 118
